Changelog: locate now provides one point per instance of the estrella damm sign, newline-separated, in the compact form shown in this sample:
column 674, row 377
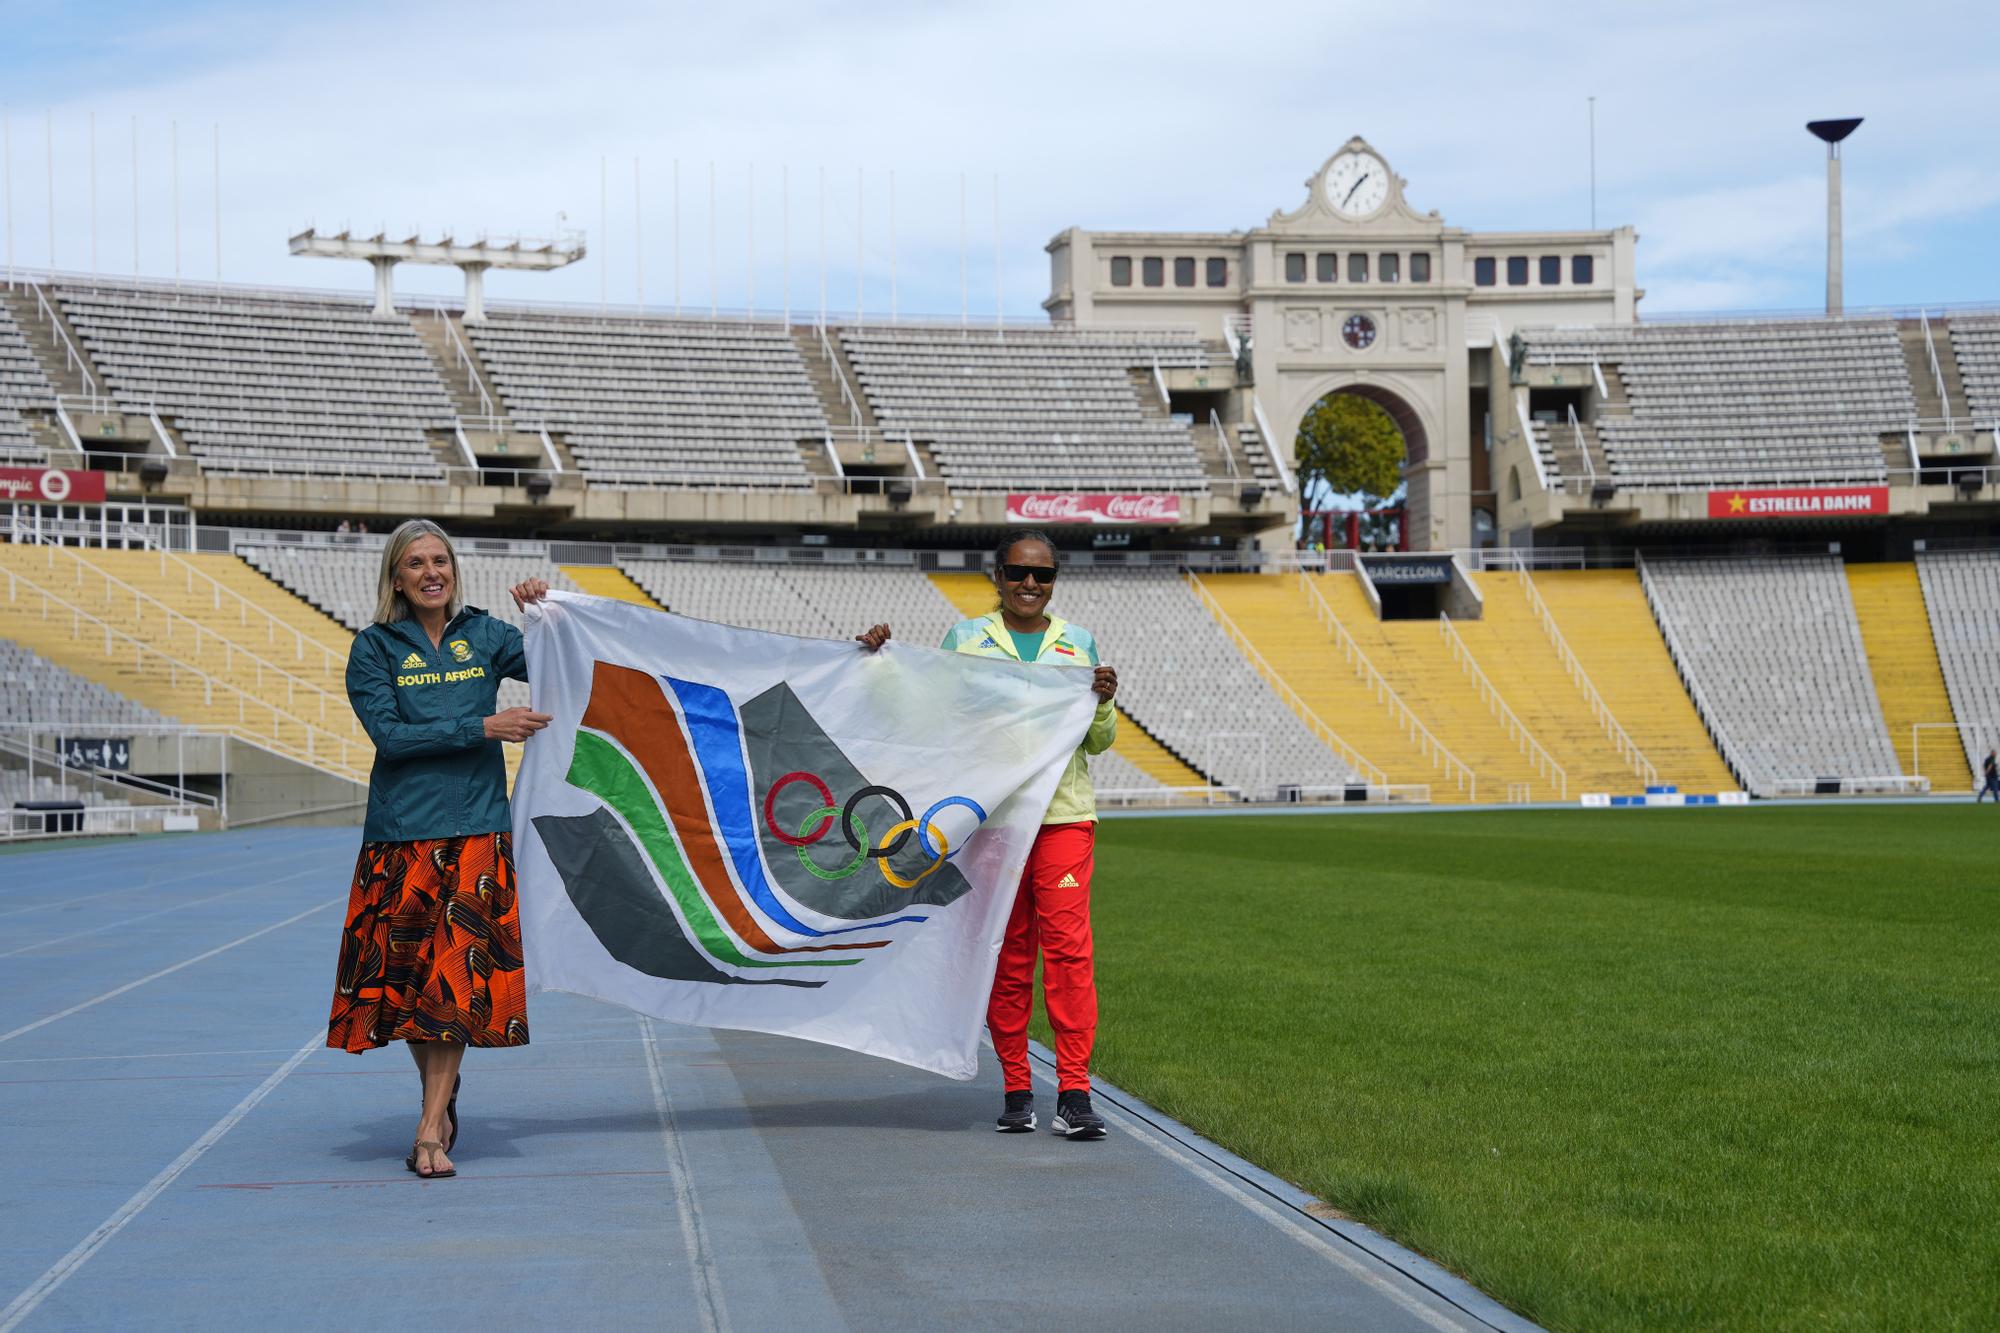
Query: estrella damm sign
column 1816, row 502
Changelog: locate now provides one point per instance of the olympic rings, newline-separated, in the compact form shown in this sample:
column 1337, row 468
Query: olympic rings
column 805, row 857
column 889, row 871
column 771, row 818
column 827, row 817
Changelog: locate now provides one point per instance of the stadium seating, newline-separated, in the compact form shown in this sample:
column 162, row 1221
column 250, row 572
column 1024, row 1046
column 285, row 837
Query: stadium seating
column 1725, row 404
column 1902, row 657
column 1962, row 594
column 1603, row 615
column 659, row 403
column 22, row 385
column 1975, row 341
column 608, row 581
column 36, row 692
column 268, row 386
column 1776, row 658
column 1030, row 410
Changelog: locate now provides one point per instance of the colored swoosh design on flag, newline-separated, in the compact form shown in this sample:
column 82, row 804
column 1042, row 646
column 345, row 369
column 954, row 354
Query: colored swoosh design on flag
column 601, row 768
column 605, row 879
column 717, row 735
column 628, row 706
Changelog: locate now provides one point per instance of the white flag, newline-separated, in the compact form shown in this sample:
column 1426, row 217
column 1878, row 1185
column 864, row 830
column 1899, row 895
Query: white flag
column 744, row 830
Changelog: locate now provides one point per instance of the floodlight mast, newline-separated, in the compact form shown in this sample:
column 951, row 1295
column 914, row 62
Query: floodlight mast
column 1831, row 132
column 473, row 257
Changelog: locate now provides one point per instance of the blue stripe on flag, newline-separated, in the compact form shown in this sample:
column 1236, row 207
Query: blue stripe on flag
column 718, row 746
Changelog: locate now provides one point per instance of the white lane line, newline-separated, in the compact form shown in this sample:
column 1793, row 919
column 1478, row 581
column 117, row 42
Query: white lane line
column 707, row 1286
column 66, row 1267
column 166, row 971
column 209, row 871
column 148, row 1055
column 147, row 916
column 1312, row 1238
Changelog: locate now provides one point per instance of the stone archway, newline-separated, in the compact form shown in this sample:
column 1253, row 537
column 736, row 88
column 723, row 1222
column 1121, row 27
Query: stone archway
column 1406, row 411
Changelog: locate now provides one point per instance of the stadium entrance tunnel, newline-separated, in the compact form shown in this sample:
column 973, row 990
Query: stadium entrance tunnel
column 1364, row 443
column 1422, row 601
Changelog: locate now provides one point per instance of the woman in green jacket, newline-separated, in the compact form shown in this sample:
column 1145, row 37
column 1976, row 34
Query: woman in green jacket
column 431, row 952
column 1052, row 908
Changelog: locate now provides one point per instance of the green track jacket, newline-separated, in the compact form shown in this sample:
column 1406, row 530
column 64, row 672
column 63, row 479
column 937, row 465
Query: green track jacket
column 436, row 775
column 1063, row 644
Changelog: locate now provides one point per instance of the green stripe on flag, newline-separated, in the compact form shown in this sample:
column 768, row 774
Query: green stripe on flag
column 602, row 769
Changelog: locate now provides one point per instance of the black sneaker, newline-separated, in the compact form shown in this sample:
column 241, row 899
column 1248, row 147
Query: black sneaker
column 1019, row 1117
column 1074, row 1118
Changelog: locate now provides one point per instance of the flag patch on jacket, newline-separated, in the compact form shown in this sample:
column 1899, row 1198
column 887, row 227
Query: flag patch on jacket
column 1064, row 649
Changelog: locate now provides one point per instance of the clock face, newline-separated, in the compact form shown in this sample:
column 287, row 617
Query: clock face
column 1358, row 332
column 1356, row 184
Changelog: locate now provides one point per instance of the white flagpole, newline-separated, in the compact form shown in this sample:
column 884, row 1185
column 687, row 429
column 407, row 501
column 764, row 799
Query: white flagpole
column 785, row 208
column 603, row 234
column 964, row 291
column 135, row 196
column 860, row 257
column 50, row 125
column 750, row 239
column 7, row 138
column 677, row 236
column 638, row 240
column 999, row 269
column 713, row 308
column 93, row 194
column 174, row 146
column 216, row 128
column 822, row 247
column 892, row 247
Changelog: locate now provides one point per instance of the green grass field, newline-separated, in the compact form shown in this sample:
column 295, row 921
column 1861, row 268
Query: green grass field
column 1691, row 1069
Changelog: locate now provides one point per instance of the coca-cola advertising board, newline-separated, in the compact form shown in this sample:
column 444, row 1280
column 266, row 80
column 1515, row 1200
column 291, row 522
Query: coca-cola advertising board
column 51, row 485
column 1070, row 507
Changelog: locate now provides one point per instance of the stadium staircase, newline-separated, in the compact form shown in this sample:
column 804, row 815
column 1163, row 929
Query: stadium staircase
column 61, row 370
column 1524, row 664
column 610, row 581
column 1417, row 659
column 1277, row 615
column 1902, row 657
column 1924, row 385
column 1604, row 617
column 972, row 594
column 201, row 639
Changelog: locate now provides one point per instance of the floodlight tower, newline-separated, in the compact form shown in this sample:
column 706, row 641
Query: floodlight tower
column 474, row 257
column 1831, row 132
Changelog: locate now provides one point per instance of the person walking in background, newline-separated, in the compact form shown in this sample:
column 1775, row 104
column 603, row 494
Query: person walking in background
column 1991, row 786
column 1052, row 909
column 431, row 950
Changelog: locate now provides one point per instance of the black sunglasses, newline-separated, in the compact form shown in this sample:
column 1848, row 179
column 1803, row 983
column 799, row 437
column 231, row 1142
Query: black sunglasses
column 1020, row 573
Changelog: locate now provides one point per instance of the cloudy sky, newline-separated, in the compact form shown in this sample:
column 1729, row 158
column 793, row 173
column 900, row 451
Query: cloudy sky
column 1162, row 115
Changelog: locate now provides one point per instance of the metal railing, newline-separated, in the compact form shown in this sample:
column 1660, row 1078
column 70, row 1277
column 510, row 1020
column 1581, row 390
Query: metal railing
column 1160, row 383
column 1899, row 785
column 323, row 749
column 160, row 432
column 1528, row 439
column 826, row 349
column 330, row 659
column 72, row 358
column 1354, row 759
column 1517, row 731
column 1222, row 438
column 1272, row 450
column 95, row 821
column 1405, row 717
column 27, row 741
column 232, row 654
column 1582, row 446
column 1621, row 740
column 462, row 360
column 1962, row 732
column 1937, row 371
column 1725, row 744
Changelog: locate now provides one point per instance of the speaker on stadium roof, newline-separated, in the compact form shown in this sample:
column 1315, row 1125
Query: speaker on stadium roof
column 1970, row 482
column 900, row 492
column 1252, row 496
column 152, row 472
column 539, row 486
column 1602, row 491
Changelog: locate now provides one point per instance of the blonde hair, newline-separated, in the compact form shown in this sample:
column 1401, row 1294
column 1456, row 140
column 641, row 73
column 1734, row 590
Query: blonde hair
column 390, row 604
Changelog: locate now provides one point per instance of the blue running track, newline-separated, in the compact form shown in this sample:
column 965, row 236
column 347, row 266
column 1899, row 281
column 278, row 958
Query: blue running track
column 181, row 1150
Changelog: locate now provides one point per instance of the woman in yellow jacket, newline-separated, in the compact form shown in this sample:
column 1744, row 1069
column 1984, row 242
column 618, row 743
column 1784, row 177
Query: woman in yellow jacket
column 1052, row 910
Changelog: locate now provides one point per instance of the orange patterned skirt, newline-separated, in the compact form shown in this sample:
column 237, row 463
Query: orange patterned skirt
column 432, row 946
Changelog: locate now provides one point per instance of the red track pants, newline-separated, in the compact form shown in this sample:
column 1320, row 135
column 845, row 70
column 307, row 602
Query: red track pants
column 1052, row 916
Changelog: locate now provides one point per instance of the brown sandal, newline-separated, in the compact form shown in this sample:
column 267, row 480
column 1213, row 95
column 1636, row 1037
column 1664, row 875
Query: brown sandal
column 410, row 1162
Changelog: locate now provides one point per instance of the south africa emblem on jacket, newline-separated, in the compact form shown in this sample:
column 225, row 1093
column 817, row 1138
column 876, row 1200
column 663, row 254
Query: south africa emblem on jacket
column 460, row 650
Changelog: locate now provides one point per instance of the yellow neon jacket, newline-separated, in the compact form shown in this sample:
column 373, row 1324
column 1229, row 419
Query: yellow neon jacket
column 1063, row 644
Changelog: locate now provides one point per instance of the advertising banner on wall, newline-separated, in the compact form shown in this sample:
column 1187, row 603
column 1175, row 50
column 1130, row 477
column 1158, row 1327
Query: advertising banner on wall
column 1817, row 502
column 51, row 485
column 1069, row 507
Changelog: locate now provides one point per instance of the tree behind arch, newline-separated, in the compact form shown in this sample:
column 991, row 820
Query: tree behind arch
column 1348, row 445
